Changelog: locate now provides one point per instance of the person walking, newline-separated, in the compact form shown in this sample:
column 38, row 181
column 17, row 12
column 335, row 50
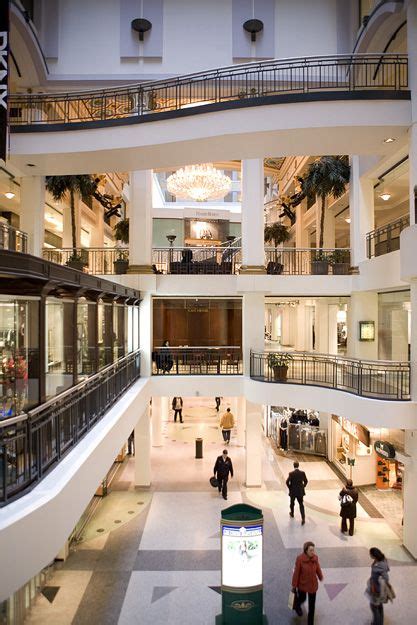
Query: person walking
column 304, row 580
column 218, row 401
column 227, row 423
column 296, row 483
column 378, row 589
column 177, row 404
column 348, row 498
column 222, row 468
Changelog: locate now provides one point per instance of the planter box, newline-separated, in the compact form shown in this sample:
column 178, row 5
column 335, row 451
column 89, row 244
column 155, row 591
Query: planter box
column 120, row 266
column 319, row 267
column 76, row 264
column 340, row 269
column 280, row 373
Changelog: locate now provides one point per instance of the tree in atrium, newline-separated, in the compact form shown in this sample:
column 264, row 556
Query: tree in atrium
column 63, row 186
column 327, row 176
column 277, row 233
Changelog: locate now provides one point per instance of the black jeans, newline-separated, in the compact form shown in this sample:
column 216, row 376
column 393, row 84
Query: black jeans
column 351, row 525
column 222, row 485
column 226, row 435
column 179, row 412
column 300, row 503
column 301, row 597
column 378, row 614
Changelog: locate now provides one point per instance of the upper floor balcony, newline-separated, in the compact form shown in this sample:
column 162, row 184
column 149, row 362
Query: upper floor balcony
column 386, row 239
column 12, row 239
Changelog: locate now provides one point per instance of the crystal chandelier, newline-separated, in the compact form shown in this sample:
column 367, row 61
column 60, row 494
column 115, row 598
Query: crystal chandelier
column 199, row 182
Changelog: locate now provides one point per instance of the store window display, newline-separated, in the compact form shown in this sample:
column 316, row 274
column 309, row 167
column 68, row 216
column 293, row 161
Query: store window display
column 297, row 430
column 59, row 321
column 86, row 338
column 352, row 450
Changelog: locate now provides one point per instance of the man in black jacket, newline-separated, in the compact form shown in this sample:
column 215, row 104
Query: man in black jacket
column 296, row 483
column 222, row 468
column 177, row 404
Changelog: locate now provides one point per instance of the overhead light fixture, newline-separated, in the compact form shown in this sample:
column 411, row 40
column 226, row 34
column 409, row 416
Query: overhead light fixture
column 389, row 140
column 10, row 194
column 347, row 220
column 200, row 183
column 385, row 196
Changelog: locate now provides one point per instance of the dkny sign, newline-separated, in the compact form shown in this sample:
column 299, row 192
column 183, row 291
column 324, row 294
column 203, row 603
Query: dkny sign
column 4, row 74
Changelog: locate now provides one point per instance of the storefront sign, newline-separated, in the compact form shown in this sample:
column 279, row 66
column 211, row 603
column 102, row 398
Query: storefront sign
column 385, row 449
column 4, row 57
column 356, row 430
column 367, row 330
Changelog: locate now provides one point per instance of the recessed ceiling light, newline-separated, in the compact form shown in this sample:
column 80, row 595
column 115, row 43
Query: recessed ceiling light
column 389, row 140
column 10, row 195
column 347, row 220
column 385, row 196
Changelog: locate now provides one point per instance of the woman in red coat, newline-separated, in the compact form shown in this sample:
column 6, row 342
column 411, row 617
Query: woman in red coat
column 304, row 580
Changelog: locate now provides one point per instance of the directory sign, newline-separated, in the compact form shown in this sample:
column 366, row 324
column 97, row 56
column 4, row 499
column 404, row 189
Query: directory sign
column 241, row 556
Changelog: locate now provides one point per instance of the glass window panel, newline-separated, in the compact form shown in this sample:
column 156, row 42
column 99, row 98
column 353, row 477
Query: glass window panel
column 59, row 320
column 105, row 334
column 394, row 324
column 86, row 338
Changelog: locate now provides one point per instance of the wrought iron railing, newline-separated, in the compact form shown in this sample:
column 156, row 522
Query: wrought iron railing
column 197, row 360
column 95, row 260
column 386, row 238
column 32, row 444
column 376, row 379
column 241, row 84
column 308, row 261
column 197, row 260
column 13, row 239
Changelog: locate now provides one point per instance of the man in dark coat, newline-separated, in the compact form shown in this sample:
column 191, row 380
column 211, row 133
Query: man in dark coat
column 221, row 470
column 296, row 483
column 348, row 499
column 177, row 405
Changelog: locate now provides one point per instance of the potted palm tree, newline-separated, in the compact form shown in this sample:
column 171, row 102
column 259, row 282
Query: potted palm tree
column 276, row 233
column 327, row 176
column 121, row 234
column 279, row 362
column 70, row 186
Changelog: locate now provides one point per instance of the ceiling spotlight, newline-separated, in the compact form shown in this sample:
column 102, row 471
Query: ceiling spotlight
column 385, row 196
column 389, row 140
column 347, row 220
column 10, row 195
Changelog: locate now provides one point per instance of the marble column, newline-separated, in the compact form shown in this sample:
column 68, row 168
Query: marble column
column 140, row 222
column 409, row 493
column 32, row 212
column 253, row 256
column 252, row 326
column 145, row 334
column 253, row 458
column 143, row 450
column 156, row 422
column 363, row 306
column 362, row 220
column 241, row 422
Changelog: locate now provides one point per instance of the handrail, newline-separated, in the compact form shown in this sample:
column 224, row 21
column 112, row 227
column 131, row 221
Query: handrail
column 198, row 360
column 386, row 238
column 374, row 379
column 226, row 86
column 12, row 238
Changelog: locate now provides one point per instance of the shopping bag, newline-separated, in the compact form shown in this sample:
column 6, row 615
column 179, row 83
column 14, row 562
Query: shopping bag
column 214, row 482
column 291, row 600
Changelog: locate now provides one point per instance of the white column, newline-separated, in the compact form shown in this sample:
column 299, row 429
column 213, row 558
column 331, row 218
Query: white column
column 329, row 230
column 97, row 235
column 301, row 234
column 413, row 340
column 140, row 222
column 156, row 422
column 165, row 409
column 286, row 326
column 332, row 325
column 253, row 319
column 322, row 327
column 363, row 306
column 32, row 212
column 300, row 339
column 412, row 81
column 253, row 256
column 241, row 422
column 409, row 494
column 253, row 444
column 361, row 202
column 143, row 450
column 145, row 334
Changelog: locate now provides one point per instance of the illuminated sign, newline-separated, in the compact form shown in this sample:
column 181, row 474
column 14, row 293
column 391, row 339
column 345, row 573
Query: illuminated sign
column 366, row 330
column 241, row 556
column 385, row 449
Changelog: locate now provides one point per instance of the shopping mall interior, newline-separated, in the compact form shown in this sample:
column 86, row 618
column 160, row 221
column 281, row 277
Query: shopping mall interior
column 207, row 243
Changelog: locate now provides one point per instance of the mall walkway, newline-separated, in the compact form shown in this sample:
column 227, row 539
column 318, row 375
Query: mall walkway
column 149, row 558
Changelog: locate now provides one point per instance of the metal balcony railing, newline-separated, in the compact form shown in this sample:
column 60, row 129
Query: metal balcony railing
column 13, row 239
column 376, row 379
column 386, row 238
column 95, row 260
column 34, row 443
column 197, row 260
column 197, row 360
column 309, row 261
column 237, row 85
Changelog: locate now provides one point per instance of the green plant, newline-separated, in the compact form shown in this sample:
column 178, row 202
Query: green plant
column 121, row 231
column 279, row 359
column 277, row 233
column 61, row 186
column 339, row 256
column 328, row 176
column 318, row 255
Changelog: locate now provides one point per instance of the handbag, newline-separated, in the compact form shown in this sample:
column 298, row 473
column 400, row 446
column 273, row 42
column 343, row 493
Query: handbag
column 291, row 600
column 214, row 482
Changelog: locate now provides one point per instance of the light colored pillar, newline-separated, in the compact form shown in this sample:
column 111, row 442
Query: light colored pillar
column 322, row 327
column 156, row 422
column 332, row 325
column 412, row 82
column 253, row 256
column 140, row 222
column 32, row 212
column 361, row 202
column 329, row 230
column 413, row 341
column 286, row 326
column 241, row 422
column 409, row 494
column 253, row 444
column 300, row 339
column 412, row 155
column 253, row 327
column 145, row 334
column 363, row 306
column 143, row 450
column 165, row 408
column 97, row 234
column 301, row 234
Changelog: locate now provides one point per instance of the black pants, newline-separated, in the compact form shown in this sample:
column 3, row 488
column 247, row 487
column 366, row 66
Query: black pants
column 378, row 614
column 217, row 399
column 179, row 412
column 222, row 485
column 301, row 504
column 226, row 435
column 351, row 525
column 301, row 597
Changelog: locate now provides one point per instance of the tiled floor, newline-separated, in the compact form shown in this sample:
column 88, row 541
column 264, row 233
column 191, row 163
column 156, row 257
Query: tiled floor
column 151, row 558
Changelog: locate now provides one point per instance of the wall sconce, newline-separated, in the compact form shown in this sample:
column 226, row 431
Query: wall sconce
column 141, row 26
column 253, row 27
